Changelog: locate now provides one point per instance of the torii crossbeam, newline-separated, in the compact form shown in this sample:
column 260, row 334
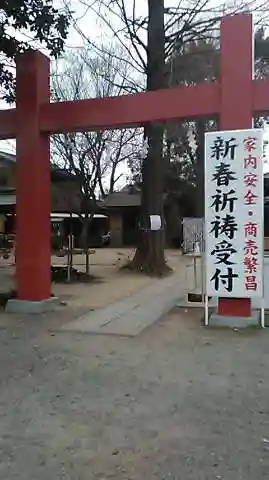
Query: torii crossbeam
column 235, row 99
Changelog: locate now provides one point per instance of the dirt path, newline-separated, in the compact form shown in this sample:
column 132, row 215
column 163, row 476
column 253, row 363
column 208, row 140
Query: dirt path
column 179, row 402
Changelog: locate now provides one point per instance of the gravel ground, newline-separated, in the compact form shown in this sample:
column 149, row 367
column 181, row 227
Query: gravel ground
column 178, row 402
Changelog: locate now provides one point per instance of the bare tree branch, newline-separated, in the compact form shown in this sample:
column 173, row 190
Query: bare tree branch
column 94, row 157
column 184, row 22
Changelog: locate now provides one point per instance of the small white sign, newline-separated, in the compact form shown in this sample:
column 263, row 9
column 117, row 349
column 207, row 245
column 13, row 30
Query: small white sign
column 155, row 222
column 234, row 207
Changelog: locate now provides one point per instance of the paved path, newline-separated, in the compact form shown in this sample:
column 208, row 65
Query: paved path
column 132, row 315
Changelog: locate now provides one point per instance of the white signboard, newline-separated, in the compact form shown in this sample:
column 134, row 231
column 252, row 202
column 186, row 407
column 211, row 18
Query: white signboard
column 234, row 213
column 155, row 222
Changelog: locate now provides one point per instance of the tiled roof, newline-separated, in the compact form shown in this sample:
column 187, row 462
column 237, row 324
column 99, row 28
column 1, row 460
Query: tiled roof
column 122, row 199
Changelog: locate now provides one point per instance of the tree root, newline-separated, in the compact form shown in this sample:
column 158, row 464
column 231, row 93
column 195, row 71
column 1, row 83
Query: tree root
column 160, row 269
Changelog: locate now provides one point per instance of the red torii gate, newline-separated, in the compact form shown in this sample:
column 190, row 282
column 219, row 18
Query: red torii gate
column 235, row 98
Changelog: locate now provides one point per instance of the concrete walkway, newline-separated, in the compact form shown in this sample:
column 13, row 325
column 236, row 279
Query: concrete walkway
column 130, row 316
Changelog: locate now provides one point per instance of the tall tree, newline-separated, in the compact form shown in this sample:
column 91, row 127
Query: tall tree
column 149, row 256
column 22, row 24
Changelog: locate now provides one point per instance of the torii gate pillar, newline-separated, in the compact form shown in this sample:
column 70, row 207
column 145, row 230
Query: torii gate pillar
column 33, row 191
column 236, row 107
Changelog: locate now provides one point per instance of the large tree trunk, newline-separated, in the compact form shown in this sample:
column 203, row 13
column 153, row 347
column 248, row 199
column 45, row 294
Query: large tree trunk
column 149, row 256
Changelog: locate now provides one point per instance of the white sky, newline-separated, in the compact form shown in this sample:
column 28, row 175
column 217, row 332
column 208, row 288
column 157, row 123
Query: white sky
column 93, row 27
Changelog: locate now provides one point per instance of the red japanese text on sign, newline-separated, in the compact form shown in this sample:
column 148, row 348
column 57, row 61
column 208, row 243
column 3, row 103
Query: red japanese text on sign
column 250, row 161
column 251, row 264
column 250, row 198
column 251, row 179
column 251, row 283
column 251, row 248
column 251, row 229
column 250, row 144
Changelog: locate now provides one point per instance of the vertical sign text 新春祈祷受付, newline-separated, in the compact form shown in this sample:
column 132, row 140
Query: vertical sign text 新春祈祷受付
column 234, row 213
